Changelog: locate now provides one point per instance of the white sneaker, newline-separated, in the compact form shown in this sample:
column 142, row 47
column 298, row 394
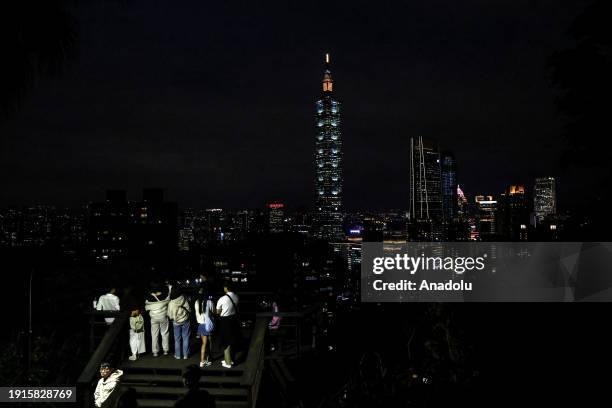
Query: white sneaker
column 177, row 357
column 132, row 358
column 185, row 358
column 155, row 354
column 224, row 364
column 165, row 353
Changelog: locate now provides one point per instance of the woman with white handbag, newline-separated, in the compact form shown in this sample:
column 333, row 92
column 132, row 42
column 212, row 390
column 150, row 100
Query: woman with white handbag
column 204, row 307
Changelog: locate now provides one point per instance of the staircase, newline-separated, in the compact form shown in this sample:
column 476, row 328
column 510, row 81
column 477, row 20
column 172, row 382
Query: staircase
column 161, row 387
column 158, row 383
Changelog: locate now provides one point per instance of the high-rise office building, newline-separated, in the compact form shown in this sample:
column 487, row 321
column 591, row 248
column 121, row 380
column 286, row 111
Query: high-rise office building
column 449, row 186
column 462, row 204
column 513, row 213
column 276, row 217
column 145, row 230
column 544, row 198
column 328, row 163
column 154, row 231
column 109, row 226
column 186, row 236
column 424, row 181
column 487, row 216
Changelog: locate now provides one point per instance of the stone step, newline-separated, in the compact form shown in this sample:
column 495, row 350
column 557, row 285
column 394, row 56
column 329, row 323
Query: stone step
column 215, row 369
column 152, row 403
column 159, row 379
column 174, row 392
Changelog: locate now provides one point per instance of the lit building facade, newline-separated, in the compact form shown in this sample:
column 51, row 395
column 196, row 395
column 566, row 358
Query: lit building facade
column 425, row 215
column 449, row 186
column 145, row 230
column 514, row 213
column 487, row 216
column 425, row 181
column 328, row 163
column 544, row 198
column 462, row 204
column 276, row 217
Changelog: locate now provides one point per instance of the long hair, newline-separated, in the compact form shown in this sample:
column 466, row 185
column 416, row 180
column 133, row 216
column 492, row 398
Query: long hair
column 203, row 298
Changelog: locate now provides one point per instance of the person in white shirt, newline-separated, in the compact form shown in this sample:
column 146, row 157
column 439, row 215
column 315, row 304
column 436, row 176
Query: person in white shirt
column 229, row 325
column 110, row 301
column 204, row 308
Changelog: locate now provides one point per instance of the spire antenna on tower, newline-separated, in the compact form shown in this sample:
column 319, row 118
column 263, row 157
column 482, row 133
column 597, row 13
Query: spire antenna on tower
column 327, row 79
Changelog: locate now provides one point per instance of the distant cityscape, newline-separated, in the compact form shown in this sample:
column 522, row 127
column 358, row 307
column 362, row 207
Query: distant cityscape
column 393, row 223
column 439, row 208
column 107, row 226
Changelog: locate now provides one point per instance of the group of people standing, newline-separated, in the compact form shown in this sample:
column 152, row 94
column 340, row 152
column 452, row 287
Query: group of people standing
column 168, row 303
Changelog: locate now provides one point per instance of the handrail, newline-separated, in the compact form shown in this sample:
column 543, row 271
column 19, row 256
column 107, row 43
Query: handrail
column 104, row 313
column 90, row 371
column 252, row 374
column 306, row 312
column 255, row 353
column 280, row 314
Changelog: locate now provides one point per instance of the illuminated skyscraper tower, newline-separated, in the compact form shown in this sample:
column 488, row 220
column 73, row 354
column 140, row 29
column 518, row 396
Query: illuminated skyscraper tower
column 544, row 198
column 328, row 163
column 425, row 181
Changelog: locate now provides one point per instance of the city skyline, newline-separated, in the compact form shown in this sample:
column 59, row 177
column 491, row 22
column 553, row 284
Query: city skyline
column 219, row 124
column 254, row 181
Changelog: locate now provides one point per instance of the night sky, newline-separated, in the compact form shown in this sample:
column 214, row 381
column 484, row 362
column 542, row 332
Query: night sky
column 214, row 101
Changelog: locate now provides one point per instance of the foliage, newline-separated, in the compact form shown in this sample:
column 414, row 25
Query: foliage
column 36, row 38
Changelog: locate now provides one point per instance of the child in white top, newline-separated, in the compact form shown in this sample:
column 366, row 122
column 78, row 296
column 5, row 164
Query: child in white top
column 137, row 337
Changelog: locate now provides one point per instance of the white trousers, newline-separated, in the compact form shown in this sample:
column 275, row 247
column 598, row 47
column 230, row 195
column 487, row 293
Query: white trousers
column 158, row 326
column 137, row 342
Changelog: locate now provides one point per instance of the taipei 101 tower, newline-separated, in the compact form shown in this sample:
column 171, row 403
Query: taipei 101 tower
column 328, row 163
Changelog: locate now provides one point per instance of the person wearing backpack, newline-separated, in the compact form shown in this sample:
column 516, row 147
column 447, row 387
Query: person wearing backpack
column 204, row 309
column 229, row 325
column 179, row 311
column 137, row 337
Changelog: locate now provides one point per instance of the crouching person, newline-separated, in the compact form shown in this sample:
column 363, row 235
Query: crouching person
column 106, row 392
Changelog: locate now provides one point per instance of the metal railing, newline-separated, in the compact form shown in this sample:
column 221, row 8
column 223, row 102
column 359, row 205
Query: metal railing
column 112, row 345
column 251, row 377
column 297, row 321
column 254, row 365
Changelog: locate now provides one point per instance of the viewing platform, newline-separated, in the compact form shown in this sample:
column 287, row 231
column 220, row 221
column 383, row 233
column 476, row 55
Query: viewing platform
column 157, row 381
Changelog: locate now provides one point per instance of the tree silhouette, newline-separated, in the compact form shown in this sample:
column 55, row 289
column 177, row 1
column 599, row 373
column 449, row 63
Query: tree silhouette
column 36, row 38
column 583, row 74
